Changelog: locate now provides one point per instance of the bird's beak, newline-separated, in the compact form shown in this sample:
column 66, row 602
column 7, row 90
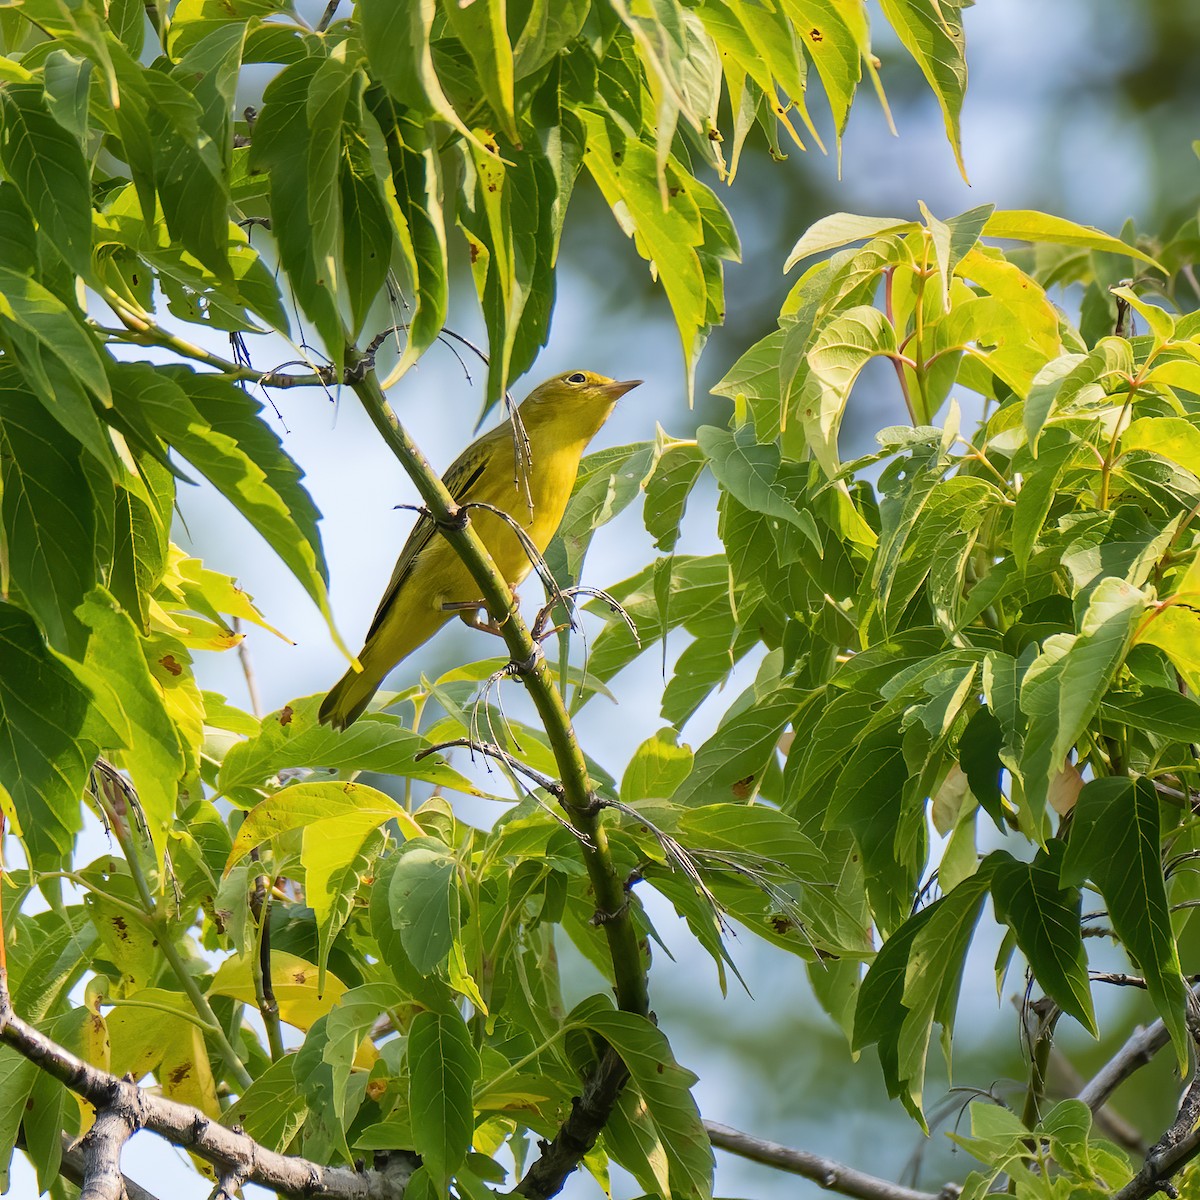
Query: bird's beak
column 619, row 387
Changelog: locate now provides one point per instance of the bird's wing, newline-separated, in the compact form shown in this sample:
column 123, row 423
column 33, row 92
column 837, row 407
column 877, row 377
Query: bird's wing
column 461, row 477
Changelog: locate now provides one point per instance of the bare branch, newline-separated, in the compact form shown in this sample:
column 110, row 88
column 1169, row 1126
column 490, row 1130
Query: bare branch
column 1136, row 1053
column 831, row 1175
column 327, row 16
column 102, row 1146
column 1177, row 1147
column 71, row 1168
column 226, row 1148
column 578, row 1134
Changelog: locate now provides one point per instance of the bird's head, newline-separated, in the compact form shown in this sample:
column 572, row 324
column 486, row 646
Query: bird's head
column 576, row 396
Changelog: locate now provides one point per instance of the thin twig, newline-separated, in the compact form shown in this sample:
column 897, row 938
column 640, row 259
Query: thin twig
column 247, row 665
column 490, row 750
column 831, row 1175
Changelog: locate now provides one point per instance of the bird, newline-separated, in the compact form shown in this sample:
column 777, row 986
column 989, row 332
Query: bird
column 527, row 470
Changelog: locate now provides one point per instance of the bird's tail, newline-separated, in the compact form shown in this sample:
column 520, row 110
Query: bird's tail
column 348, row 698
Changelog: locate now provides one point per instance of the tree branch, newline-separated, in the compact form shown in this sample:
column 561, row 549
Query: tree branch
column 71, row 1168
column 231, row 1151
column 1177, row 1146
column 831, row 1175
column 102, row 1146
column 1138, row 1050
column 578, row 1133
column 591, row 1112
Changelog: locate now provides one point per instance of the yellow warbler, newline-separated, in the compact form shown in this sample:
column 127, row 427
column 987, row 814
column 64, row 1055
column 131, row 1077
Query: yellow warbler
column 430, row 583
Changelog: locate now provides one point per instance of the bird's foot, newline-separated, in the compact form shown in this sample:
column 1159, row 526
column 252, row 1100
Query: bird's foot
column 468, row 612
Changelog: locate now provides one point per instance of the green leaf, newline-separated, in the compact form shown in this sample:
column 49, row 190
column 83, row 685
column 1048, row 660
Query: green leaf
column 443, row 1068
column 1044, row 915
column 751, row 472
column 339, row 840
column 344, row 812
column 868, row 800
column 1163, row 712
column 189, row 169
column 667, row 491
column 429, row 991
column 419, row 223
column 979, row 748
column 665, row 1091
column 1064, row 685
column 66, row 79
column 840, row 229
column 51, row 511
column 272, row 1109
column 132, row 703
column 834, row 37
column 367, row 235
column 753, row 835
column 218, row 428
column 1039, row 491
column 730, row 765
column 508, row 212
column 397, row 41
column 955, row 238
column 657, row 768
column 698, row 598
column 1172, row 438
column 549, row 26
column 932, row 32
column 608, row 482
column 1024, row 225
column 668, row 234
column 423, row 898
column 1116, row 845
column 347, row 1025
column 325, row 106
column 43, row 1124
column 44, row 754
column 58, row 358
column 481, row 29
column 759, row 43
column 283, row 143
column 47, row 165
column 839, row 352
column 292, row 737
column 17, row 1076
column 913, row 982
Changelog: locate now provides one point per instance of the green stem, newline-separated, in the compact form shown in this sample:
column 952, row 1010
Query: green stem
column 889, row 312
column 498, row 1081
column 198, row 1021
column 578, row 799
column 1043, row 1034
column 79, row 881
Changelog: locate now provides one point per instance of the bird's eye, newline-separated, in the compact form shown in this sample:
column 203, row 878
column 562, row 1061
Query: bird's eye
column 577, row 377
